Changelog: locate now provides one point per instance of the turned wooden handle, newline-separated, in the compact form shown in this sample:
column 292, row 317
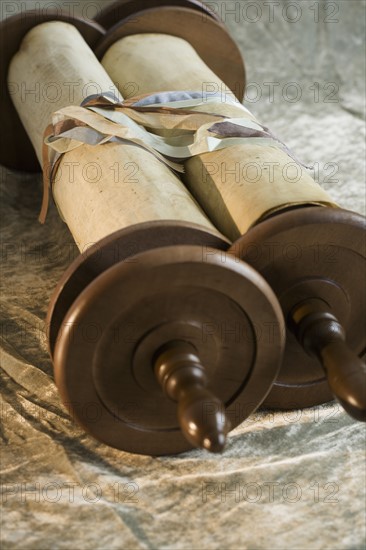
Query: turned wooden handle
column 201, row 415
column 322, row 335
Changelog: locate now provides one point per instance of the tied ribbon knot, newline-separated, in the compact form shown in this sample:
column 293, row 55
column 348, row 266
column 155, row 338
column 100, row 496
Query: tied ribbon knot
column 183, row 125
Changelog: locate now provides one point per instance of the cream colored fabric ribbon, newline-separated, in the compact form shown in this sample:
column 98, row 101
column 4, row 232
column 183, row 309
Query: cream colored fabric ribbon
column 103, row 119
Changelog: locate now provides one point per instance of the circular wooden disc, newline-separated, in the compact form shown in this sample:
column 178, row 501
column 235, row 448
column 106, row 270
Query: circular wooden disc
column 16, row 150
column 208, row 37
column 120, row 246
column 104, row 356
column 112, row 14
column 311, row 253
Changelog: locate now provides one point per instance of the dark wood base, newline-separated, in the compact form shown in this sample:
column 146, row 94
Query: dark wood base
column 304, row 254
column 135, row 292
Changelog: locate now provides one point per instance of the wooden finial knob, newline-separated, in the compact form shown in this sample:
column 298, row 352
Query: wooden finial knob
column 322, row 335
column 201, row 415
column 184, row 322
column 329, row 266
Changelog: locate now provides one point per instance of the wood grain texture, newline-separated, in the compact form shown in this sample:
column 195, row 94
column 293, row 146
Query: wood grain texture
column 113, row 13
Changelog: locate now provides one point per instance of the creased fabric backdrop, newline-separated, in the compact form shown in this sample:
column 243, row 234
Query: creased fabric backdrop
column 287, row 480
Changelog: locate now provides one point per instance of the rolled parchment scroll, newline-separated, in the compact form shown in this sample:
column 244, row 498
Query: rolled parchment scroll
column 101, row 189
column 239, row 185
column 151, row 282
column 260, row 195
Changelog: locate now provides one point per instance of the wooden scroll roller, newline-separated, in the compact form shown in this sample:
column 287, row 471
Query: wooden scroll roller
column 153, row 307
column 115, row 12
column 311, row 252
